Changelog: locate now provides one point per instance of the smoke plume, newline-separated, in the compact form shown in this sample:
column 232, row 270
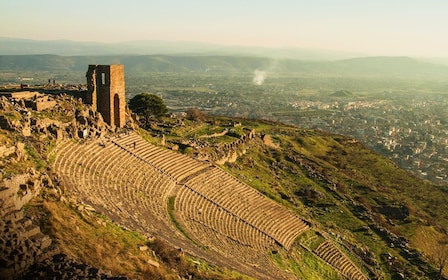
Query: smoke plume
column 259, row 77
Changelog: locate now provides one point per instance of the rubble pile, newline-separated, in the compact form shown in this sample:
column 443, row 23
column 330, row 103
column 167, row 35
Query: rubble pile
column 67, row 117
column 60, row 266
column 21, row 241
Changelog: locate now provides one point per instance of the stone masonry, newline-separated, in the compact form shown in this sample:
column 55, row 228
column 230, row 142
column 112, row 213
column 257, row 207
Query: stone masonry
column 106, row 92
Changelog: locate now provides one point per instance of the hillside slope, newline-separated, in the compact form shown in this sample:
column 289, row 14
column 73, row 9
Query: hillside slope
column 373, row 206
column 321, row 206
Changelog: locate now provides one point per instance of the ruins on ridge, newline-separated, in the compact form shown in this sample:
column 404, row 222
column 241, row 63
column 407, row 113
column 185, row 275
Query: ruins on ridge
column 106, row 92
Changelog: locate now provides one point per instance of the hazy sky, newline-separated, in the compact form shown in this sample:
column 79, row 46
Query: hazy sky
column 374, row 27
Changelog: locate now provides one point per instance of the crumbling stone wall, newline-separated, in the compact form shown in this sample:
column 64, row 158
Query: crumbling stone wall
column 31, row 99
column 40, row 102
column 86, row 123
column 231, row 151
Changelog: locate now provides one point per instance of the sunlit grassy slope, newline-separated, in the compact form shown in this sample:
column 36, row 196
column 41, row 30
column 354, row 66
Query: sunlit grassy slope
column 349, row 191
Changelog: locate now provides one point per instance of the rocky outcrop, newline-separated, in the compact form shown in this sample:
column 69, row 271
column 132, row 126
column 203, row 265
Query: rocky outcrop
column 29, row 137
column 16, row 116
column 21, row 241
column 18, row 190
column 14, row 153
column 62, row 267
column 21, row 244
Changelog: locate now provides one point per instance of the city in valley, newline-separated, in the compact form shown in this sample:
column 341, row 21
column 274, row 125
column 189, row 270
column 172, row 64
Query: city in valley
column 405, row 120
column 397, row 116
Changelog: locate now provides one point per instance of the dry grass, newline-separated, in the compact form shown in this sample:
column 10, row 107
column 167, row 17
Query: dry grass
column 95, row 240
column 429, row 241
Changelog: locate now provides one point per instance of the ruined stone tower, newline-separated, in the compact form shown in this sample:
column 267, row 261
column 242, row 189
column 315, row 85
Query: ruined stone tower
column 106, row 92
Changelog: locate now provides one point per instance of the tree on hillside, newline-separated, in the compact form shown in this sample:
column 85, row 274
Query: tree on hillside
column 441, row 255
column 435, row 245
column 148, row 105
column 195, row 114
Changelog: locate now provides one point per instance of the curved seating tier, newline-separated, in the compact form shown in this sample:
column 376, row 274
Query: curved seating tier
column 107, row 176
column 132, row 179
column 246, row 205
column 332, row 255
column 129, row 167
column 221, row 231
column 176, row 165
column 193, row 207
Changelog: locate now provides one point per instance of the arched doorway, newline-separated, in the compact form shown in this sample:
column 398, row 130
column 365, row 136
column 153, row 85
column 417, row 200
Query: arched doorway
column 117, row 110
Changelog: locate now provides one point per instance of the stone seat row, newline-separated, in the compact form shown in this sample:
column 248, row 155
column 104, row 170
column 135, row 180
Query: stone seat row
column 75, row 166
column 125, row 199
column 135, row 183
column 113, row 177
column 227, row 246
column 216, row 228
column 332, row 255
column 125, row 143
column 194, row 207
column 176, row 165
column 100, row 170
column 246, row 203
column 125, row 164
column 234, row 205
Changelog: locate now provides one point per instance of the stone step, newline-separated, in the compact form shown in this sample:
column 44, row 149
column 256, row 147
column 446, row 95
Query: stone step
column 30, row 231
column 13, row 215
column 43, row 241
column 25, row 222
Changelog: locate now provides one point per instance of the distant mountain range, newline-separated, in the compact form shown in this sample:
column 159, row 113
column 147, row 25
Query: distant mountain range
column 14, row 46
column 391, row 67
column 160, row 56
